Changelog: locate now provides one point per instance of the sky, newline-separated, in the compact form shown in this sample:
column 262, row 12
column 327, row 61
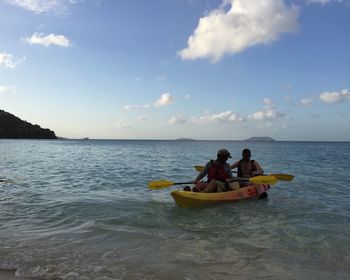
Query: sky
column 167, row 69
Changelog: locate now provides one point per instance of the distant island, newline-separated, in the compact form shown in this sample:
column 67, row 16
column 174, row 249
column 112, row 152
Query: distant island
column 185, row 139
column 260, row 139
column 12, row 127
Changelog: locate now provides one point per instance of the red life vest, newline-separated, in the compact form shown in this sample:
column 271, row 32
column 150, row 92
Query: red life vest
column 217, row 171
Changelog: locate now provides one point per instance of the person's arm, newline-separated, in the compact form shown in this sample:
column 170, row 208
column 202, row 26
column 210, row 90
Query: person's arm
column 202, row 174
column 258, row 168
column 235, row 165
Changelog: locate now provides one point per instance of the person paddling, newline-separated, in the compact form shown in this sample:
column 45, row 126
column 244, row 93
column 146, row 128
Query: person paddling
column 247, row 168
column 218, row 172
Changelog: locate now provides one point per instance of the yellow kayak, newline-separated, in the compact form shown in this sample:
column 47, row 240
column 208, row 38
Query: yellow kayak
column 187, row 199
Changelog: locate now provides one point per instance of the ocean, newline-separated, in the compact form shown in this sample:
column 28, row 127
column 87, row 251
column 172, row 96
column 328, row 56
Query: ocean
column 81, row 209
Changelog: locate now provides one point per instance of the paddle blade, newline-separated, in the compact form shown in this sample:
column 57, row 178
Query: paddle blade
column 283, row 177
column 199, row 168
column 161, row 184
column 263, row 180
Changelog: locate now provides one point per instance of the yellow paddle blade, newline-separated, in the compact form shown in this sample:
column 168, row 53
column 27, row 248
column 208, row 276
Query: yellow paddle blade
column 263, row 180
column 156, row 185
column 283, row 177
column 199, row 168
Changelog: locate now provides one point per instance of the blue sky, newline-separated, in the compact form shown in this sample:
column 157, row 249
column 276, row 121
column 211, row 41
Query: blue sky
column 164, row 69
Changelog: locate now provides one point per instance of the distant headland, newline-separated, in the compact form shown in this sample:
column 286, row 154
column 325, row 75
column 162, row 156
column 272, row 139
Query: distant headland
column 260, row 139
column 251, row 139
column 12, row 127
column 185, row 139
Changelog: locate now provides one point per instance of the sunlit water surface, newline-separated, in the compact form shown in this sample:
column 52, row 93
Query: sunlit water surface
column 82, row 210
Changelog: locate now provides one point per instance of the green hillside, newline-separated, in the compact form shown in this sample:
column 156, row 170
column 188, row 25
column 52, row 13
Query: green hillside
column 12, row 127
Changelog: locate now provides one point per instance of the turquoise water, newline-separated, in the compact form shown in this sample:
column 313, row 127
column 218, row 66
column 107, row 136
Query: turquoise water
column 82, row 210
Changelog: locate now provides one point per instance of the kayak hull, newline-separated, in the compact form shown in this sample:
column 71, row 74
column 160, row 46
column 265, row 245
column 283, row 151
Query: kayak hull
column 186, row 199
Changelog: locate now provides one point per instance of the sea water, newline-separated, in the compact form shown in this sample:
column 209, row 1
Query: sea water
column 81, row 209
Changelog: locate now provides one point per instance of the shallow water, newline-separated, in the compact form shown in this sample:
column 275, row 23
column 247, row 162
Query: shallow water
column 82, row 210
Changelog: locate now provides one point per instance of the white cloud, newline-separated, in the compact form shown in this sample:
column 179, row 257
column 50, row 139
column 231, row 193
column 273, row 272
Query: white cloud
column 245, row 24
column 224, row 117
column 136, row 107
column 8, row 89
column 269, row 103
column 187, row 96
column 47, row 40
column 178, row 120
column 56, row 7
column 335, row 97
column 164, row 100
column 122, row 123
column 268, row 114
column 8, row 60
column 323, row 2
column 306, row 102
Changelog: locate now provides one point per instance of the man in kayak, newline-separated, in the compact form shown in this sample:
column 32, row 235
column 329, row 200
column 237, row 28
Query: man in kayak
column 219, row 175
column 247, row 168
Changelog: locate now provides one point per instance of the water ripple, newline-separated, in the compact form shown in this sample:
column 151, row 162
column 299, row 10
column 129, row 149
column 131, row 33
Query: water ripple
column 82, row 210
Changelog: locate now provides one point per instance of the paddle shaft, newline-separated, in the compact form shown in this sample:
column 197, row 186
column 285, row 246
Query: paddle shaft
column 183, row 183
column 156, row 185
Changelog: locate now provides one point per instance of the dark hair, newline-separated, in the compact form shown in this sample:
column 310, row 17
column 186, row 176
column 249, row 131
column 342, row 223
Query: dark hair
column 246, row 151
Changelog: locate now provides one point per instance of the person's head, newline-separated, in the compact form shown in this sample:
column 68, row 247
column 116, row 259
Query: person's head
column 246, row 154
column 223, row 155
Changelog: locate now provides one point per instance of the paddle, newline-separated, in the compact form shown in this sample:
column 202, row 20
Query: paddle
column 161, row 184
column 260, row 179
column 280, row 177
column 283, row 177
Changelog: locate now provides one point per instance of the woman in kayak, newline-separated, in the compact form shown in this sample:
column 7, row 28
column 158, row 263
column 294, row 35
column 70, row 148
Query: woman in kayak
column 246, row 167
column 219, row 175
